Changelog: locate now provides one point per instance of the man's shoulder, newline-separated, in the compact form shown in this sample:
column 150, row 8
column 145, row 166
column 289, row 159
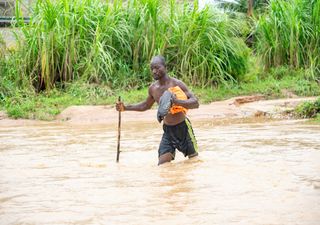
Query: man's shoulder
column 153, row 87
column 176, row 82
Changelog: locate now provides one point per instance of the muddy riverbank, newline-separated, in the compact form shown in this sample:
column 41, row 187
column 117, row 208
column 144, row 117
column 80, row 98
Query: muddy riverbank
column 234, row 108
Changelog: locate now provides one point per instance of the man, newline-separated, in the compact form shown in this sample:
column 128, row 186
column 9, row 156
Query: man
column 178, row 133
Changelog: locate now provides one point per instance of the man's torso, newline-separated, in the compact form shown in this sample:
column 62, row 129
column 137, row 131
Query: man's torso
column 157, row 90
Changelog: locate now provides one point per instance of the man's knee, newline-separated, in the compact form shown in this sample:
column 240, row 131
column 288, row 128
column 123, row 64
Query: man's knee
column 167, row 157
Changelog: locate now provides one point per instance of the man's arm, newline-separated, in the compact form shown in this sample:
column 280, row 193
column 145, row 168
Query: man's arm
column 191, row 103
column 142, row 106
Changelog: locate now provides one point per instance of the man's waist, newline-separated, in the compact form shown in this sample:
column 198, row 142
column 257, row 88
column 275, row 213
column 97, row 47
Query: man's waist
column 174, row 119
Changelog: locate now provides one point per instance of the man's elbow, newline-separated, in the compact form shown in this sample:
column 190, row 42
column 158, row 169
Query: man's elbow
column 146, row 107
column 196, row 104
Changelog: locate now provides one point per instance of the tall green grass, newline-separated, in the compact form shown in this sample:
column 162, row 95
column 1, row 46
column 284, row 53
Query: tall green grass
column 290, row 35
column 10, row 83
column 113, row 43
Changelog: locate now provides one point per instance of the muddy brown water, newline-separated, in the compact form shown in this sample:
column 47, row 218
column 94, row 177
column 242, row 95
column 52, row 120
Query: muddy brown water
column 247, row 173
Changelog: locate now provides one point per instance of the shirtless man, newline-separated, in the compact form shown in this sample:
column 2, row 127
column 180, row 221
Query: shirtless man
column 178, row 133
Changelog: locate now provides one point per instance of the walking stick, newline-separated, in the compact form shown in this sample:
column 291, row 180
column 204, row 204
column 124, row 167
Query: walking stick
column 119, row 132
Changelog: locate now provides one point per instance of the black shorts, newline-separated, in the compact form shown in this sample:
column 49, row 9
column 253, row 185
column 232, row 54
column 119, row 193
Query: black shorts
column 179, row 137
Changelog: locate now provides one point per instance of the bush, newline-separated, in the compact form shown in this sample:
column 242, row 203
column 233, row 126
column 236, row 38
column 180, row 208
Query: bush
column 112, row 44
column 308, row 109
column 289, row 35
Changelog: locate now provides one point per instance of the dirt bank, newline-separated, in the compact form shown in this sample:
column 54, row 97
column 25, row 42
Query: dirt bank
column 238, row 107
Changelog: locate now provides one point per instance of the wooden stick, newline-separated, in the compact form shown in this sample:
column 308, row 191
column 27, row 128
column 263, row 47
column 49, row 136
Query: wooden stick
column 119, row 132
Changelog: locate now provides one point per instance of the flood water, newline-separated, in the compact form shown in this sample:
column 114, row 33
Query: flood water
column 257, row 173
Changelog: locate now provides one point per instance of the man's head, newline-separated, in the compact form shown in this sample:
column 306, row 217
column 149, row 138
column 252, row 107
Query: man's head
column 158, row 67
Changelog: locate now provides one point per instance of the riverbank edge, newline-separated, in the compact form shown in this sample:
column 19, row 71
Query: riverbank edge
column 241, row 107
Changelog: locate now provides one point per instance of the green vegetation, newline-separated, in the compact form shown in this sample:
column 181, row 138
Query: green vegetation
column 89, row 52
column 113, row 44
column 309, row 110
column 290, row 35
column 48, row 104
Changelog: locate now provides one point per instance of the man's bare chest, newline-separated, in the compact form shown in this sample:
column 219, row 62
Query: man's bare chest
column 158, row 91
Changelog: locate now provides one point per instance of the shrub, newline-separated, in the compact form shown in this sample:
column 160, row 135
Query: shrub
column 113, row 43
column 308, row 109
column 289, row 35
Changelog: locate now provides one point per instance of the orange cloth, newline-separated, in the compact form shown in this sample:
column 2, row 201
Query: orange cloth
column 181, row 96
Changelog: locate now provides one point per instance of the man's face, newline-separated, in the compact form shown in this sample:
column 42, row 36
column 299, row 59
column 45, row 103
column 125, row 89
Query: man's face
column 158, row 69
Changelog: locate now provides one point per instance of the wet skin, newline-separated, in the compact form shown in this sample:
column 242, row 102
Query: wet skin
column 155, row 91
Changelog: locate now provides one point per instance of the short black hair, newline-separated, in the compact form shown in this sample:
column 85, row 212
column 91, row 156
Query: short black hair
column 161, row 58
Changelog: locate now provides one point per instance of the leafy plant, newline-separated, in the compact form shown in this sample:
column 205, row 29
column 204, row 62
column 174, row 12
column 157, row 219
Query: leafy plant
column 308, row 109
column 112, row 43
column 289, row 35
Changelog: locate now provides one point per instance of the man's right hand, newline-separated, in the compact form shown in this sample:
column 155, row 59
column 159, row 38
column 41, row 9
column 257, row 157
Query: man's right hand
column 120, row 106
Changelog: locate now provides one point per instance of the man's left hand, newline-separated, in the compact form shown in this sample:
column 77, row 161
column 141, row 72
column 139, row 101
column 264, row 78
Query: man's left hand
column 173, row 99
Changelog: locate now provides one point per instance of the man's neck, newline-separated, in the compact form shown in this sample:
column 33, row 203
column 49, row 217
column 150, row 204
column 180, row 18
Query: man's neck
column 164, row 80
